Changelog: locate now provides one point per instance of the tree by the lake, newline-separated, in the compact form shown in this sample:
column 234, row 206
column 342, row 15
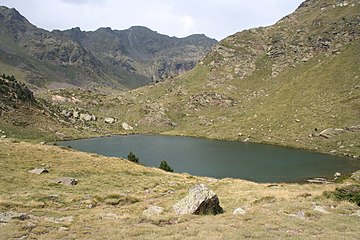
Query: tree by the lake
column 131, row 157
column 165, row 166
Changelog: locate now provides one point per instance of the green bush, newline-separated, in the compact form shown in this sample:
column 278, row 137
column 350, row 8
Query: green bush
column 131, row 157
column 349, row 193
column 165, row 166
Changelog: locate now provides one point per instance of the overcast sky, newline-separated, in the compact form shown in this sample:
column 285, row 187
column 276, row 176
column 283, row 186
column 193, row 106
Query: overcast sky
column 214, row 18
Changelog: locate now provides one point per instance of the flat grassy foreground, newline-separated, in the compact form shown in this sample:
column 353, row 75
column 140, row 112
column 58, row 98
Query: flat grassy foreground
column 112, row 193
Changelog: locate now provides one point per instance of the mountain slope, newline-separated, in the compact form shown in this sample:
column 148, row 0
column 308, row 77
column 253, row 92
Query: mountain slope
column 110, row 58
column 283, row 84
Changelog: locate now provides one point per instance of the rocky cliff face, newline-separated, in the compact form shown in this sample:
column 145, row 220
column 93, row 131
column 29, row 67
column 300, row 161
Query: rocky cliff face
column 111, row 58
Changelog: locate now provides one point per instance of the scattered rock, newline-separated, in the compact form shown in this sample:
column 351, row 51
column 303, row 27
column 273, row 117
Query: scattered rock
column 353, row 128
column 63, row 229
column 109, row 120
column 87, row 117
column 318, row 180
column 153, row 210
column 39, row 171
column 126, row 126
column 239, row 211
column 356, row 176
column 299, row 215
column 357, row 213
column 337, row 175
column 200, row 200
column 65, row 181
column 3, row 136
column 6, row 217
column 333, row 151
column 331, row 132
column 109, row 216
column 320, row 209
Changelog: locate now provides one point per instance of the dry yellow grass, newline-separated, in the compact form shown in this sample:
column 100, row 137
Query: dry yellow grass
column 112, row 193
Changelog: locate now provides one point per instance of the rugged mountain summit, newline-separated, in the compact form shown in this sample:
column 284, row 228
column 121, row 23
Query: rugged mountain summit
column 111, row 58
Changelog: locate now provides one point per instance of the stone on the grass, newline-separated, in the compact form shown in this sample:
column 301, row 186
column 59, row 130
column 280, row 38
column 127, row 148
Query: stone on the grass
column 65, row 181
column 200, row 200
column 153, row 210
column 239, row 211
column 39, row 171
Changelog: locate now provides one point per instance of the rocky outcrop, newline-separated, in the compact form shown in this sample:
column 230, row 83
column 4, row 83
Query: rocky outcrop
column 12, row 91
column 65, row 181
column 74, row 114
column 200, row 200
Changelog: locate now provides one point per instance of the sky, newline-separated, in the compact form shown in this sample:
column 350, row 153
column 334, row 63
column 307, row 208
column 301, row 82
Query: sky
column 214, row 18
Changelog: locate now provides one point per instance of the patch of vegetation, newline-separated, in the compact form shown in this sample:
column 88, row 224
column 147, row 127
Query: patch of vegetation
column 349, row 193
column 131, row 157
column 165, row 166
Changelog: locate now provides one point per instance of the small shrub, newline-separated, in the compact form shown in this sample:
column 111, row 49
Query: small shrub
column 165, row 166
column 349, row 193
column 131, row 157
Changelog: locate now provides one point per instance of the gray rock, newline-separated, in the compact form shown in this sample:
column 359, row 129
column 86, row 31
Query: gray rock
column 153, row 210
column 65, row 181
column 39, row 171
column 318, row 180
column 3, row 136
column 109, row 120
column 200, row 200
column 126, row 126
column 357, row 213
column 239, row 211
column 353, row 128
column 337, row 175
column 331, row 132
column 320, row 209
column 63, row 229
column 6, row 217
column 356, row 176
column 76, row 114
column 86, row 117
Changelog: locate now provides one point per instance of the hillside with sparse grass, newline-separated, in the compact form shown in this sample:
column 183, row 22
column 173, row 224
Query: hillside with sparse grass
column 112, row 195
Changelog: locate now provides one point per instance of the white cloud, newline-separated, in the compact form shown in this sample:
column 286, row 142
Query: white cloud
column 215, row 18
column 188, row 24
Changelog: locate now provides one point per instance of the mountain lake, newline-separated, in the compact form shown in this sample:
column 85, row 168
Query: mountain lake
column 220, row 159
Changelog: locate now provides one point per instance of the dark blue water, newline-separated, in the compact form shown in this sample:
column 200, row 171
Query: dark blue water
column 220, row 159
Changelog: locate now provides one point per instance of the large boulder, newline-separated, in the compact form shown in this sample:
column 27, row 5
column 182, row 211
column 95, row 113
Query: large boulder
column 200, row 200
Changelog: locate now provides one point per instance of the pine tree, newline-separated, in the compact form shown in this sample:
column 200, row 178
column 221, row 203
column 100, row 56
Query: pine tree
column 165, row 166
column 131, row 157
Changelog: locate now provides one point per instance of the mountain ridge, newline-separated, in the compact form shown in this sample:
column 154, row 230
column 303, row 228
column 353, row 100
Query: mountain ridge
column 114, row 59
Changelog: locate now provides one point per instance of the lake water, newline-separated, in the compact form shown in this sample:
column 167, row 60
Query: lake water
column 220, row 159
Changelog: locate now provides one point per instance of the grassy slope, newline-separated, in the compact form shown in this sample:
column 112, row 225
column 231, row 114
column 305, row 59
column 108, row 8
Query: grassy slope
column 121, row 190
